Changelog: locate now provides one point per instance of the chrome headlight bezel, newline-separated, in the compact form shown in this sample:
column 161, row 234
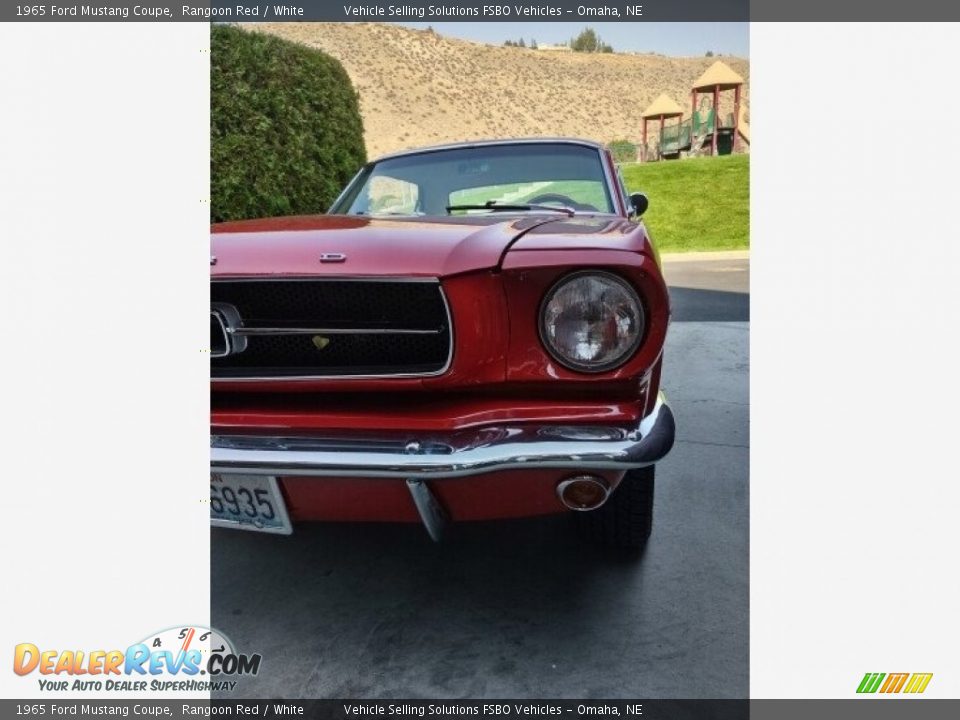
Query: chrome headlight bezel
column 583, row 367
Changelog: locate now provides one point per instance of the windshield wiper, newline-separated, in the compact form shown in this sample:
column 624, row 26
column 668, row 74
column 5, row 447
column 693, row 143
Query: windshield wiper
column 497, row 206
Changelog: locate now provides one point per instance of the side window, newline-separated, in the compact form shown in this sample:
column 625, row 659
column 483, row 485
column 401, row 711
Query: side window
column 392, row 196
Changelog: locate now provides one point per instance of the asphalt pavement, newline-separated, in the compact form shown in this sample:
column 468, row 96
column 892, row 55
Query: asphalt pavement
column 523, row 609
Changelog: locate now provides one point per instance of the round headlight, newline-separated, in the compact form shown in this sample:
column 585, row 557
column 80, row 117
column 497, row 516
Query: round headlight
column 591, row 321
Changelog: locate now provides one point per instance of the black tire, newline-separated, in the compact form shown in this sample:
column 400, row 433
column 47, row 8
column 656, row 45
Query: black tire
column 626, row 519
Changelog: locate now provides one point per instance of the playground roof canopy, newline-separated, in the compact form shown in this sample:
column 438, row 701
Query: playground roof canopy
column 718, row 74
column 663, row 105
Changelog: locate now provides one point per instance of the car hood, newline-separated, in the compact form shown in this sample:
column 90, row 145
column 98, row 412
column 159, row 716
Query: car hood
column 430, row 247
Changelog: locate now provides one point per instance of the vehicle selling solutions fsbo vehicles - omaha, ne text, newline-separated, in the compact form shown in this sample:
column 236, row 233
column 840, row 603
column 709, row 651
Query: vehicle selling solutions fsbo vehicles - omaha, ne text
column 473, row 332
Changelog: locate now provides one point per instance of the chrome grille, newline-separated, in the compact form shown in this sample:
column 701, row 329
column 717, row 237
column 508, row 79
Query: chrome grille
column 331, row 328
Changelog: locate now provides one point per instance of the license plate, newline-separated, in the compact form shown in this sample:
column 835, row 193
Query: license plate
column 248, row 502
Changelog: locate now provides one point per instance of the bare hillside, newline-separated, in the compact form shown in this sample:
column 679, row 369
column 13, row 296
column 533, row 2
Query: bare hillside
column 421, row 88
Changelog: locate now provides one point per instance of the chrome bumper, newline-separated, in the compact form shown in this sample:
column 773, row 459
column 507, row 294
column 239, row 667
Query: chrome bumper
column 453, row 455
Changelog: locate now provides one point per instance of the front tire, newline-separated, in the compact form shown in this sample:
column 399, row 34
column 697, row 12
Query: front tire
column 626, row 519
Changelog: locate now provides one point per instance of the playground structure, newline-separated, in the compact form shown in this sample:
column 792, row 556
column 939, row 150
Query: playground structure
column 702, row 132
column 663, row 108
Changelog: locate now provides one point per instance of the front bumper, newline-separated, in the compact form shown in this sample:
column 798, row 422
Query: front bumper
column 420, row 460
column 453, row 455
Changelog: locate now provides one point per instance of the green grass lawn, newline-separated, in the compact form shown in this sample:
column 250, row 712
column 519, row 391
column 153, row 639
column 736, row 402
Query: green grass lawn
column 696, row 203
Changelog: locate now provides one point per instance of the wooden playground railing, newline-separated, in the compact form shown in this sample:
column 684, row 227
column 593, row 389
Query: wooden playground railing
column 690, row 134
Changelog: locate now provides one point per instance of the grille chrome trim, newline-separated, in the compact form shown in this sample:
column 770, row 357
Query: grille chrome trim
column 254, row 331
column 320, row 377
column 214, row 315
column 229, row 319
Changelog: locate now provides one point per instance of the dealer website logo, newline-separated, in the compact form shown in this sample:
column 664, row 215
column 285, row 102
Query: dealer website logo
column 182, row 659
column 912, row 683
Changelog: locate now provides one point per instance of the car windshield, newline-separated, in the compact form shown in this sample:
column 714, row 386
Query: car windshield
column 523, row 177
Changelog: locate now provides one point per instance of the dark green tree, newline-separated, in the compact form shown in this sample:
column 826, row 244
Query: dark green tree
column 586, row 41
column 285, row 128
column 589, row 41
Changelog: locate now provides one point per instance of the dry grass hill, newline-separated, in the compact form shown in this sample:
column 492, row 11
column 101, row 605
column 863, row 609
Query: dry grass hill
column 421, row 88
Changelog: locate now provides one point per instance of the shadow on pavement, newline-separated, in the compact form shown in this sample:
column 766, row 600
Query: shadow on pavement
column 368, row 610
column 694, row 305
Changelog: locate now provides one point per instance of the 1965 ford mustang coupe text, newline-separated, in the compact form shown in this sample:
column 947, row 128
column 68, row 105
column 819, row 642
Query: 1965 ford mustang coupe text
column 472, row 332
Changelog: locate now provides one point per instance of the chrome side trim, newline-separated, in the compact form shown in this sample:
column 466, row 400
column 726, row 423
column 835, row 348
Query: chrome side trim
column 254, row 331
column 432, row 513
column 396, row 376
column 611, row 188
column 453, row 455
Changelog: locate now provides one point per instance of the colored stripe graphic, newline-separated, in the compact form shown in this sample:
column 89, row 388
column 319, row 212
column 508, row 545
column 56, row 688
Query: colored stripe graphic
column 870, row 682
column 894, row 682
column 918, row 682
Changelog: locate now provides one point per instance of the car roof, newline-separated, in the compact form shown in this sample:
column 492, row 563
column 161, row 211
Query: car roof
column 482, row 143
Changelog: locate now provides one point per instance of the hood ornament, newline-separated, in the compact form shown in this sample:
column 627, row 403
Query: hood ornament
column 333, row 257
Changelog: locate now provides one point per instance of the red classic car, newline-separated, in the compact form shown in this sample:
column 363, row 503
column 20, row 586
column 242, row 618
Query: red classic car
column 474, row 331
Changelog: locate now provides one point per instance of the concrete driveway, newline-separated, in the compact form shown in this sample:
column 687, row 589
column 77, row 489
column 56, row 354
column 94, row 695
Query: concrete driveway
column 523, row 609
